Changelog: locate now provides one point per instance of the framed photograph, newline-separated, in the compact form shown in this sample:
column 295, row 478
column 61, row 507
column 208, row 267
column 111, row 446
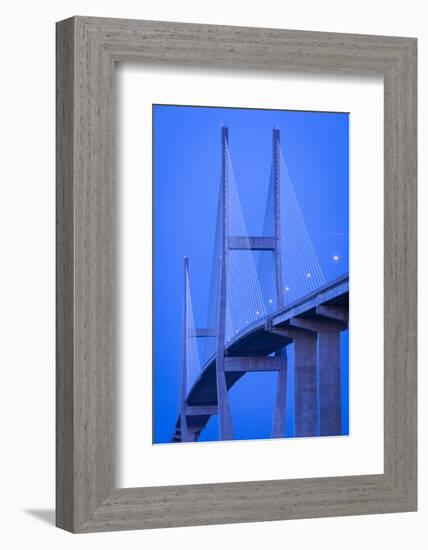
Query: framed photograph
column 236, row 274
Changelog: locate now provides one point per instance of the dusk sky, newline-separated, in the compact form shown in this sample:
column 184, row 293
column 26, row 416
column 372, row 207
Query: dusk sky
column 186, row 175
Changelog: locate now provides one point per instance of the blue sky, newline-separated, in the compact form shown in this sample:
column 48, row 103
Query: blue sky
column 186, row 172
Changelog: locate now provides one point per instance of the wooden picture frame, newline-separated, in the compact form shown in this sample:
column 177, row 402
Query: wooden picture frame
column 87, row 50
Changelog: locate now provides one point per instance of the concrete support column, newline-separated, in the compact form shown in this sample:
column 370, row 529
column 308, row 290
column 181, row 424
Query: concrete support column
column 225, row 421
column 328, row 359
column 305, row 382
column 329, row 382
column 278, row 423
column 224, row 418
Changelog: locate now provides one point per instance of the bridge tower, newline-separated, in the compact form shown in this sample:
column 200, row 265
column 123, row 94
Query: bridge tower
column 225, row 422
column 271, row 244
column 278, row 423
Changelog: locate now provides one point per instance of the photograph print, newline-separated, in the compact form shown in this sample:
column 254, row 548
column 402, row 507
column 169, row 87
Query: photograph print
column 250, row 273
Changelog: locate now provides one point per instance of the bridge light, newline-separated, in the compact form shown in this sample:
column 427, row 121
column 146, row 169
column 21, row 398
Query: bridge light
column 308, row 275
column 257, row 312
column 270, row 300
column 287, row 288
column 336, row 258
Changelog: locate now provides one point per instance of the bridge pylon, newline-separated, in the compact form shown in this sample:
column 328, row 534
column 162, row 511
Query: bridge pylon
column 224, row 417
column 244, row 242
column 278, row 422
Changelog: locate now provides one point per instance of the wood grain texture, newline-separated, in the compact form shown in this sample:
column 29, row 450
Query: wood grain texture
column 87, row 49
column 64, row 277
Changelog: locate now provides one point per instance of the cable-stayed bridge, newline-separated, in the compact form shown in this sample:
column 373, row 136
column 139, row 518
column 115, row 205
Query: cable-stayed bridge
column 267, row 292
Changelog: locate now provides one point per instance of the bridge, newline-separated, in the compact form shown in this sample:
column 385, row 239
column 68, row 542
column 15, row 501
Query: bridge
column 267, row 292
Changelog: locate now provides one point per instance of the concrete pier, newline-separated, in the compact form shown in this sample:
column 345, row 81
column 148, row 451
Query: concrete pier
column 329, row 382
column 305, row 384
column 278, row 422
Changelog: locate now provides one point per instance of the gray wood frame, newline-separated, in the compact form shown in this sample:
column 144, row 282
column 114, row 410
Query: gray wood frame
column 87, row 50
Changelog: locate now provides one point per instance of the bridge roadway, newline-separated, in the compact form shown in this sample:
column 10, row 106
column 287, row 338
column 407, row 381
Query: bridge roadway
column 248, row 350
